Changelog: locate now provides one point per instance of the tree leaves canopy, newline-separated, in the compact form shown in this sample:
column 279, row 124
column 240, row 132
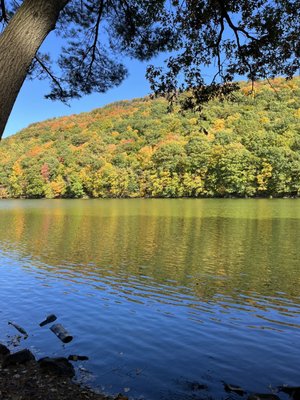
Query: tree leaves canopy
column 256, row 39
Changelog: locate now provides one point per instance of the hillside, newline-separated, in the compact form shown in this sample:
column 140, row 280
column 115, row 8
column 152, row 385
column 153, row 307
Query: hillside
column 249, row 146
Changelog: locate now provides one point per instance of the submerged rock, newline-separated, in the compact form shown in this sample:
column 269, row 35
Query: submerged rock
column 234, row 388
column 19, row 328
column 196, row 386
column 20, row 357
column 292, row 391
column 120, row 396
column 59, row 366
column 263, row 396
column 74, row 357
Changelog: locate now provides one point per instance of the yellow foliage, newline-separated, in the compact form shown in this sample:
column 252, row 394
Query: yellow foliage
column 264, row 120
column 264, row 176
column 232, row 118
column 145, row 154
column 297, row 113
column 193, row 121
column 219, row 125
column 145, row 113
column 3, row 193
column 48, row 145
column 58, row 187
column 111, row 148
column 17, row 169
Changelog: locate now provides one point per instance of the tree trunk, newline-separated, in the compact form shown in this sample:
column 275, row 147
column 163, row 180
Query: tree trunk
column 18, row 45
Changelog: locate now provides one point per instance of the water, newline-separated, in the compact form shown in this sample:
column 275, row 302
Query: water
column 158, row 293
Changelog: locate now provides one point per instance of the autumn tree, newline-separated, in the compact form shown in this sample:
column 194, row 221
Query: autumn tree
column 251, row 149
column 257, row 39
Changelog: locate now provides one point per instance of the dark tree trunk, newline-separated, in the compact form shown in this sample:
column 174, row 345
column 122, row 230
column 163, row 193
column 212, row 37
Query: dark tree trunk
column 18, row 45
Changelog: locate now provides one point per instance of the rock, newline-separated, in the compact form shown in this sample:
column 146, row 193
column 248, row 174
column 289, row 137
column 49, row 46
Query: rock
column 3, row 350
column 61, row 333
column 120, row 396
column 292, row 391
column 50, row 318
column 234, row 388
column 263, row 396
column 59, row 366
column 20, row 357
column 196, row 386
column 74, row 357
column 19, row 328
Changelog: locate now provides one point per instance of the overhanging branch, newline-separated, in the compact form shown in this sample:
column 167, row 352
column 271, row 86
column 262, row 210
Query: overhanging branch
column 96, row 28
column 50, row 74
column 4, row 16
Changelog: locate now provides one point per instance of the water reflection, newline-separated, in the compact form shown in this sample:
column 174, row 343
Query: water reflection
column 184, row 249
column 229, row 268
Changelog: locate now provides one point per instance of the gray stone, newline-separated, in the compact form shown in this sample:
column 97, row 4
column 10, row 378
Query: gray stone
column 20, row 357
column 59, row 366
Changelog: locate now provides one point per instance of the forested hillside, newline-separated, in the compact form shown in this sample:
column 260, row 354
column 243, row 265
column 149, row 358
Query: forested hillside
column 249, row 146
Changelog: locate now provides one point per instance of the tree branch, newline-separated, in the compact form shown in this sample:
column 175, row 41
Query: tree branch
column 218, row 45
column 235, row 28
column 94, row 45
column 48, row 72
column 4, row 15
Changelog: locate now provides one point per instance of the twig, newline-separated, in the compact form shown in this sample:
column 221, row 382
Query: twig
column 94, row 45
column 47, row 70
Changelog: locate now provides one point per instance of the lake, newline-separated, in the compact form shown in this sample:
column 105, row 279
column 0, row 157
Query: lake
column 159, row 294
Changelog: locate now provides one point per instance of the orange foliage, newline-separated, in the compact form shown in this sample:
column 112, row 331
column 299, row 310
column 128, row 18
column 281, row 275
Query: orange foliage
column 35, row 151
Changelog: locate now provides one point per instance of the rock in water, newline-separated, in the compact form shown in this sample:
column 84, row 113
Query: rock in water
column 263, row 396
column 20, row 357
column 74, row 357
column 61, row 333
column 59, row 366
column 19, row 328
column 3, row 350
column 234, row 388
column 194, row 386
column 292, row 391
column 50, row 318
column 120, row 396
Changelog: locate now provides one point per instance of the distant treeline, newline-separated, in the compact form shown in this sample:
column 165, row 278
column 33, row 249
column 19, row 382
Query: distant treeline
column 248, row 146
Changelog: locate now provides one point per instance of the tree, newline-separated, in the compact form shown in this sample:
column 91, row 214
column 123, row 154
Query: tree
column 258, row 39
column 251, row 149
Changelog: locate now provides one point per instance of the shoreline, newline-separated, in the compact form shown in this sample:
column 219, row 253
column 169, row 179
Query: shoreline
column 26, row 380
column 267, row 197
column 22, row 377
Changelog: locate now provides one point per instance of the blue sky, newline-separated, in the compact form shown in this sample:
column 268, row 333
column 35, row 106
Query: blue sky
column 31, row 106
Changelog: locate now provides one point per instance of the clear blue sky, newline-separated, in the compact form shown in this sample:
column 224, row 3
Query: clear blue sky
column 31, row 106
